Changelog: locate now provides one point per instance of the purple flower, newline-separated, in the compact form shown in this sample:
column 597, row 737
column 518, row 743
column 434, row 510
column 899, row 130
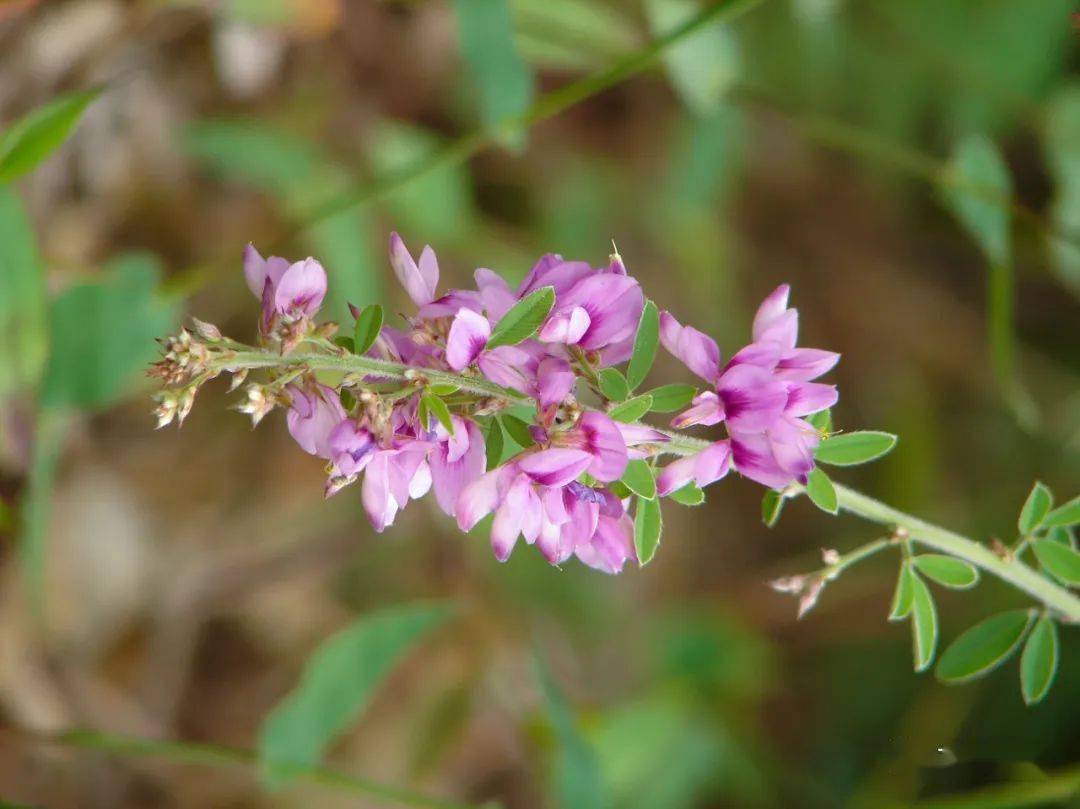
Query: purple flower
column 312, row 416
column 457, row 460
column 419, row 279
column 599, row 436
column 294, row 290
column 703, row 468
column 597, row 312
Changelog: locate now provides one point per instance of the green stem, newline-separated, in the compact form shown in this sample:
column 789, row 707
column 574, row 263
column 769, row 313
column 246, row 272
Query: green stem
column 1015, row 572
column 217, row 756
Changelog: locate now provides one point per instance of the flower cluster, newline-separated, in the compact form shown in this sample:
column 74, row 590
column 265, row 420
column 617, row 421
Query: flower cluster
column 495, row 398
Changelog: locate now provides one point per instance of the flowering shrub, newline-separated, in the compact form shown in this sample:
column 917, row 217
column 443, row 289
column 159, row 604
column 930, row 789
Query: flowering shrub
column 521, row 403
column 567, row 484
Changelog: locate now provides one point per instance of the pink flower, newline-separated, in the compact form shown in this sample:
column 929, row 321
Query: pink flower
column 312, row 416
column 457, row 460
column 294, row 290
column 395, row 471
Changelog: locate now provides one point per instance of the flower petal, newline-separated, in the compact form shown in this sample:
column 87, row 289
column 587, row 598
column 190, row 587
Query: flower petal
column 805, row 398
column 604, row 442
column 449, row 475
column 752, row 398
column 804, row 364
column 301, row 288
column 419, row 282
column 555, row 467
column 707, row 409
column 697, row 351
column 468, row 335
column 554, row 381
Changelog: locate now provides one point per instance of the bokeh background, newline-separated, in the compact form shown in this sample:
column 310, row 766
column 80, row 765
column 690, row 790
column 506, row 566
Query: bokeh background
column 183, row 577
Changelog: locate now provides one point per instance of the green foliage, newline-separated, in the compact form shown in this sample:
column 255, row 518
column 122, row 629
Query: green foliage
column 704, row 65
column 924, row 623
column 648, row 525
column 437, row 407
column 579, row 783
column 1035, row 509
column 771, row 505
column 645, row 343
column 639, row 479
column 983, row 647
column 979, row 191
column 487, row 44
column 632, row 409
column 613, row 385
column 689, row 495
column 669, row 398
column 102, row 335
column 904, row 595
column 33, row 138
column 1064, row 515
column 1060, row 560
column 338, row 681
column 493, row 443
column 821, row 491
column 517, row 430
column 1062, row 149
column 22, row 299
column 523, row 319
column 821, row 421
column 947, row 570
column 367, row 328
column 1039, row 661
column 851, row 449
column 572, row 34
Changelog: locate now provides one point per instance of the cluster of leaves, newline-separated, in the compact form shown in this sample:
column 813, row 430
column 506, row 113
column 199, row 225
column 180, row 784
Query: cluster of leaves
column 988, row 644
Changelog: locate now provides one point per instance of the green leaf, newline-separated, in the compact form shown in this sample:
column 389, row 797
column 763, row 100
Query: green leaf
column 579, row 780
column 648, row 524
column 1039, row 661
column 613, row 385
column 904, row 595
column 1061, row 535
column 821, row 491
column 1066, row 515
column 924, row 623
column 1060, row 560
column 669, row 398
column 645, row 343
column 423, row 414
column 34, row 137
column 1036, row 507
column 689, row 495
column 639, row 479
column 771, row 506
column 437, row 407
column 632, row 409
column 102, row 335
column 337, row 682
column 978, row 192
column 523, row 319
column 443, row 388
column 367, row 328
column 486, row 41
column 517, row 430
column 983, row 647
column 947, row 570
column 851, row 449
column 23, row 306
column 703, row 65
column 493, row 443
column 821, row 421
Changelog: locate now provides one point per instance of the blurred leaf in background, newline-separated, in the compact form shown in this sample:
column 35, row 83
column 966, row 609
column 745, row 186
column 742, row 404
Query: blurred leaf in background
column 1062, row 150
column 572, row 34
column 23, row 338
column 33, row 138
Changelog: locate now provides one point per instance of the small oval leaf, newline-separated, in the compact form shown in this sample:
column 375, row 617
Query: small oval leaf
column 437, row 407
column 821, row 491
column 1039, row 661
column 821, row 421
column 1035, row 509
column 613, row 385
column 947, row 570
column 669, row 398
column 771, row 506
column 1068, row 514
column 689, row 495
column 632, row 409
column 366, row 331
column 518, row 430
column 648, row 525
column 523, row 319
column 902, row 597
column 851, row 449
column 924, row 623
column 645, row 343
column 639, row 479
column 1060, row 560
column 493, row 443
column 983, row 647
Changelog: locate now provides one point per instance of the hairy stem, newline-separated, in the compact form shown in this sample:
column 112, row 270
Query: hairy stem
column 1015, row 572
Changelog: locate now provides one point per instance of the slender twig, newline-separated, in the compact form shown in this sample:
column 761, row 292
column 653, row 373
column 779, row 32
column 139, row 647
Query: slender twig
column 220, row 756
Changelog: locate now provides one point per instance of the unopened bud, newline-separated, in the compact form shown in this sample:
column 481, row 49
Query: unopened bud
column 165, row 412
column 257, row 404
column 184, row 404
column 809, row 599
column 830, row 556
column 789, row 584
column 207, row 331
column 238, row 378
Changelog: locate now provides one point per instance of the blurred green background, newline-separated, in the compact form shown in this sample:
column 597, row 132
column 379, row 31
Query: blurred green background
column 911, row 167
